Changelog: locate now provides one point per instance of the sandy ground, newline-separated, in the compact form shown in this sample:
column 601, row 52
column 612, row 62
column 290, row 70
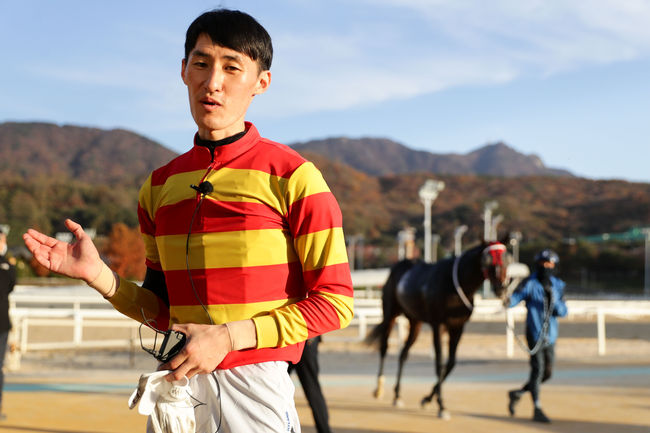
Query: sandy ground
column 87, row 391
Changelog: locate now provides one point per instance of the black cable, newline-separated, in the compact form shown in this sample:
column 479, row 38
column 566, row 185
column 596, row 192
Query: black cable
column 196, row 295
column 187, row 259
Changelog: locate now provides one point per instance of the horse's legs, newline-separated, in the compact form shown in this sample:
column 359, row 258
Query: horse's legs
column 438, row 363
column 414, row 331
column 454, row 339
column 383, row 348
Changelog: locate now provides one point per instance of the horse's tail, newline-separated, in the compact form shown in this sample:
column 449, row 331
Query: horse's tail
column 390, row 307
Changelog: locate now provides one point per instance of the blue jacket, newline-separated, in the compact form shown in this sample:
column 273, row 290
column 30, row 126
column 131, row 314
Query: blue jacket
column 532, row 291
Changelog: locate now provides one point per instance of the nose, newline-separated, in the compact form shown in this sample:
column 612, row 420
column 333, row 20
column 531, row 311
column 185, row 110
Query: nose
column 214, row 80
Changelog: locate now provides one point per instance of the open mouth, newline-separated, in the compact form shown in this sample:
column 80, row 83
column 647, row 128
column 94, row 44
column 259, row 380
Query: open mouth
column 209, row 103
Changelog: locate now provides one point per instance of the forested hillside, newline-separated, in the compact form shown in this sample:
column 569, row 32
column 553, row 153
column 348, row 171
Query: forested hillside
column 41, row 184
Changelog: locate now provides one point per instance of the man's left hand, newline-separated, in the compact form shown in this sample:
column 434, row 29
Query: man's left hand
column 206, row 346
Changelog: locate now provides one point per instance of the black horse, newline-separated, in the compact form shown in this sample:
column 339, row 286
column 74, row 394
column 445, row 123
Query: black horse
column 440, row 294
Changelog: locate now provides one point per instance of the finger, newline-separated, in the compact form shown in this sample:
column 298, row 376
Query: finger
column 180, row 372
column 194, row 372
column 40, row 238
column 75, row 228
column 180, row 328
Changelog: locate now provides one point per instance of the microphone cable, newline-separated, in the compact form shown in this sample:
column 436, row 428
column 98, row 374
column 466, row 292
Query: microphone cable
column 203, row 188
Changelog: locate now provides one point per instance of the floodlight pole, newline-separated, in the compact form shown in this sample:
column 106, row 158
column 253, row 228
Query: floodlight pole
column 487, row 219
column 495, row 223
column 646, row 285
column 428, row 193
column 488, row 208
column 435, row 240
column 458, row 235
column 515, row 239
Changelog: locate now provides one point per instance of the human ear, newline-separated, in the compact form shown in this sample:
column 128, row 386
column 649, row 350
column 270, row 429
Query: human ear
column 263, row 82
column 183, row 67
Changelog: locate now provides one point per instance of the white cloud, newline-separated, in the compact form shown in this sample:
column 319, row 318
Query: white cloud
column 447, row 44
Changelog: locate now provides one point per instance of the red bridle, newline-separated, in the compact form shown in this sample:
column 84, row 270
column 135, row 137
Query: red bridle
column 493, row 256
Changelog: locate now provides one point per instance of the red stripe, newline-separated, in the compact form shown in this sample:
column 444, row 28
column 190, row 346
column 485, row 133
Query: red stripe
column 303, row 219
column 320, row 316
column 146, row 224
column 288, row 353
column 270, row 157
column 334, row 279
column 198, row 158
column 214, row 217
column 236, row 285
column 153, row 265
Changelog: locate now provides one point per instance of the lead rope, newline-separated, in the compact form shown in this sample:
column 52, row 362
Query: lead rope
column 542, row 334
column 459, row 290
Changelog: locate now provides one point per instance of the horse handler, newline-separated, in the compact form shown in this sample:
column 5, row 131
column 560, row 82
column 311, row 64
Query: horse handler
column 544, row 296
column 245, row 250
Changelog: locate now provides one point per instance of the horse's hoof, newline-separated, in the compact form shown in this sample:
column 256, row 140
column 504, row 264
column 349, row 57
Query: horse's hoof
column 398, row 403
column 379, row 392
column 444, row 415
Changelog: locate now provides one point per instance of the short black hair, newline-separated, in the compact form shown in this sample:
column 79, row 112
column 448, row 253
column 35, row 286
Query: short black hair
column 235, row 30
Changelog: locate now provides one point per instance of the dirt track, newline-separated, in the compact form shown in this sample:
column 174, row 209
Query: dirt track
column 67, row 392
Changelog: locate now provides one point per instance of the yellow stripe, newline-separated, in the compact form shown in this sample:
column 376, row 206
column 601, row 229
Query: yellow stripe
column 150, row 247
column 169, row 193
column 322, row 248
column 224, row 313
column 248, row 186
column 306, row 180
column 144, row 197
column 234, row 185
column 227, row 249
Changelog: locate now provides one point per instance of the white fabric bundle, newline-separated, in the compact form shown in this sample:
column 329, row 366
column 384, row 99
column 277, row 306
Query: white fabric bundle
column 168, row 404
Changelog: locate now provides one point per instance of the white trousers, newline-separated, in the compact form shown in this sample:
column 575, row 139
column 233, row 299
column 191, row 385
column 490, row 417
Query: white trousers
column 255, row 398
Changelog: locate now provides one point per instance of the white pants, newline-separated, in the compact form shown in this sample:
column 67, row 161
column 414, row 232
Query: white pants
column 255, row 398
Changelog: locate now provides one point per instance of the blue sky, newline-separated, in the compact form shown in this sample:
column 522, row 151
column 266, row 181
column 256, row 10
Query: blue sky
column 566, row 80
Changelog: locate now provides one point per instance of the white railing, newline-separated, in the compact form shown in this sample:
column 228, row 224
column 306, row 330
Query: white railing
column 81, row 307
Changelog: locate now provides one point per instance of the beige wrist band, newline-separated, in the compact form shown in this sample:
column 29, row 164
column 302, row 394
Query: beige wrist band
column 242, row 334
column 104, row 282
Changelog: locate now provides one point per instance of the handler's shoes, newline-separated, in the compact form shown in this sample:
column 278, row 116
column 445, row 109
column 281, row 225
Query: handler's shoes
column 514, row 396
column 539, row 416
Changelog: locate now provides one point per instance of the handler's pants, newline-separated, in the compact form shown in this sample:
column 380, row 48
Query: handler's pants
column 541, row 367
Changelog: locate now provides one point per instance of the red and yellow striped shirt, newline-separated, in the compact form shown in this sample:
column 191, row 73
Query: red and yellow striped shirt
column 266, row 244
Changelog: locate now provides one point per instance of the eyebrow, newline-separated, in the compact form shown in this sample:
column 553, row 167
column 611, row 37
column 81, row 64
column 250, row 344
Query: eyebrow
column 199, row 53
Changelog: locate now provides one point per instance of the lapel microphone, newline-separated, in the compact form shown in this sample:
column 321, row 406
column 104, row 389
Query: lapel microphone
column 204, row 187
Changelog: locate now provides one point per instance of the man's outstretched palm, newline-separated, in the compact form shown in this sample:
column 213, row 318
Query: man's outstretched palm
column 78, row 259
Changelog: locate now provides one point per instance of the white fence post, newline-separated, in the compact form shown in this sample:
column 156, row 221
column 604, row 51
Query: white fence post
column 78, row 327
column 601, row 332
column 24, row 326
column 510, row 335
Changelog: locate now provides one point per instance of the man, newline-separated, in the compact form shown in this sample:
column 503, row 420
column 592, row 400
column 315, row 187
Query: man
column 7, row 282
column 249, row 262
column 544, row 296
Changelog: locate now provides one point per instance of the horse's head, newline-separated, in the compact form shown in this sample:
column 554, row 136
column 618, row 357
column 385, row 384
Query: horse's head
column 494, row 263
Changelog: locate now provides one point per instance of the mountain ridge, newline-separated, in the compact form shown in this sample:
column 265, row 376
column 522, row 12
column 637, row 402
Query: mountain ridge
column 381, row 156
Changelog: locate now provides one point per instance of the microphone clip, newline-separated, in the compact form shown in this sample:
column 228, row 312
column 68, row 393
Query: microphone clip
column 203, row 188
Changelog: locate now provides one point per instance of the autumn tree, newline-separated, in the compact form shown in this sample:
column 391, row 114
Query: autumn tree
column 125, row 252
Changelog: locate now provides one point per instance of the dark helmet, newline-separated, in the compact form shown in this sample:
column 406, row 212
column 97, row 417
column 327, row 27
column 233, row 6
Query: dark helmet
column 547, row 255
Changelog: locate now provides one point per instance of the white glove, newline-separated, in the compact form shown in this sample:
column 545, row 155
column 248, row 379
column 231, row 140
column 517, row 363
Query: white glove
column 168, row 404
